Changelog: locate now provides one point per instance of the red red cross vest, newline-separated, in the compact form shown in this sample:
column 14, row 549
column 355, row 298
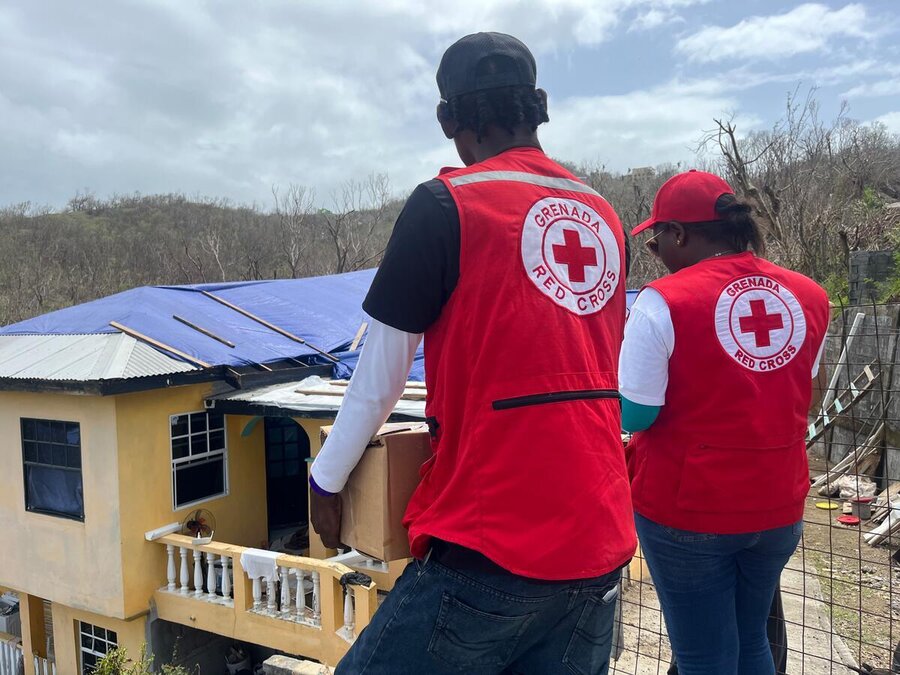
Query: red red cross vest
column 528, row 467
column 727, row 453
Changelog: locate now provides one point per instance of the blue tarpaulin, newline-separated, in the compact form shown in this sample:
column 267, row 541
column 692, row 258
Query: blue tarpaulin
column 324, row 311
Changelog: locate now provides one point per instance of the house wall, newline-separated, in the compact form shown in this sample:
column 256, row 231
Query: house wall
column 312, row 427
column 145, row 474
column 131, row 635
column 66, row 561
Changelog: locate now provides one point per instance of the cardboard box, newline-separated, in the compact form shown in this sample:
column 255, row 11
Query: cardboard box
column 378, row 490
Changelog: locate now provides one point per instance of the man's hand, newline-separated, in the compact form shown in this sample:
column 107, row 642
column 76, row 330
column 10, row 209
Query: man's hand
column 325, row 514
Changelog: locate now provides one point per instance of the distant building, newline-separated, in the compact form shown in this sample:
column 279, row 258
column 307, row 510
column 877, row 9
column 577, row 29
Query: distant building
column 641, row 173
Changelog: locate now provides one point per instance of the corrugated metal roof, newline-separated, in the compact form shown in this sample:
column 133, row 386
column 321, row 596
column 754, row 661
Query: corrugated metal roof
column 288, row 397
column 83, row 358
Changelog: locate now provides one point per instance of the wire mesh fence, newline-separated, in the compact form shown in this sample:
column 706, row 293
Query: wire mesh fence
column 838, row 608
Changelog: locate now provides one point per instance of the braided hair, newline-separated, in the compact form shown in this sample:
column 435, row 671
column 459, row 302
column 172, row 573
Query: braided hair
column 504, row 107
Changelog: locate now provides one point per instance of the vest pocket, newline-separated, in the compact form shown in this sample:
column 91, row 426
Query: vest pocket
column 723, row 479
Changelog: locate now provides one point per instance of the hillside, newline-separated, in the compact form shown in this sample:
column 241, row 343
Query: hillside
column 819, row 191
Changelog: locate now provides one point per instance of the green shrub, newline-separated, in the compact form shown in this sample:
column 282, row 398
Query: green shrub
column 838, row 288
column 116, row 662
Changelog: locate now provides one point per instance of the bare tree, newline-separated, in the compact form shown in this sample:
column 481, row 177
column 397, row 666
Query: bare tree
column 357, row 228
column 293, row 209
column 805, row 178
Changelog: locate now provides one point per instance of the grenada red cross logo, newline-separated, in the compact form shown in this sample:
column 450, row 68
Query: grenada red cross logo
column 570, row 254
column 759, row 323
column 574, row 256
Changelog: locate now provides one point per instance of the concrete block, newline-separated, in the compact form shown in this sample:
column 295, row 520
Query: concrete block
column 285, row 665
column 877, row 341
column 867, row 270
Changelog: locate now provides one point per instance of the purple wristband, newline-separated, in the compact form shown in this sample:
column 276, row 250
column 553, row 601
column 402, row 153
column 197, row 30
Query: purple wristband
column 319, row 490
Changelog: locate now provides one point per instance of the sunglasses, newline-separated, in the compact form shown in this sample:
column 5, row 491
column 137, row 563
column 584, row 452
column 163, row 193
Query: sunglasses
column 652, row 245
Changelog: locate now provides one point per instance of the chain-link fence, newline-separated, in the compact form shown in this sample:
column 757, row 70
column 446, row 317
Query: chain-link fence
column 839, row 609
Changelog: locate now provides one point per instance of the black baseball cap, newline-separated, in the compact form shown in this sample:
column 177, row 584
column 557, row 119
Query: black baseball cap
column 485, row 61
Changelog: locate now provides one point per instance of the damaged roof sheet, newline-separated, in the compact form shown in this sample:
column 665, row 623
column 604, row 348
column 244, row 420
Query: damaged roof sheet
column 84, row 358
column 290, row 397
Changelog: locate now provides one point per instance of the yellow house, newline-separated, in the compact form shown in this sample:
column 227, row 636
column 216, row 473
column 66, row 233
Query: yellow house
column 112, row 443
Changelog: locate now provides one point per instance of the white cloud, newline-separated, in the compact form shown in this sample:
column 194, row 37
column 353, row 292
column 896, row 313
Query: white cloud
column 892, row 121
column 806, row 28
column 545, row 25
column 640, row 128
column 228, row 98
column 654, row 18
column 889, row 87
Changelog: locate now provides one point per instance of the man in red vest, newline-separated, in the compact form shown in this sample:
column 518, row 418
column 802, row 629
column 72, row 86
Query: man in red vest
column 514, row 271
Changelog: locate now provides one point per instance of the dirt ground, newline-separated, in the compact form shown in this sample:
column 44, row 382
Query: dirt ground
column 860, row 584
column 841, row 599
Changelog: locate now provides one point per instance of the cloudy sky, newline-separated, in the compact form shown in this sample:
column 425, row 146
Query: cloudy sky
column 227, row 98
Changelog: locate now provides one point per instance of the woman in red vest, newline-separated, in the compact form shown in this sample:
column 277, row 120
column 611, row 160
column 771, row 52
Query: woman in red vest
column 716, row 374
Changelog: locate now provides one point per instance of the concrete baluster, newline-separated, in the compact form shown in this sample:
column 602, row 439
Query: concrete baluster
column 185, row 576
column 211, row 576
column 317, row 598
column 348, row 611
column 226, row 577
column 271, row 606
column 170, row 567
column 257, row 593
column 285, row 590
column 198, row 573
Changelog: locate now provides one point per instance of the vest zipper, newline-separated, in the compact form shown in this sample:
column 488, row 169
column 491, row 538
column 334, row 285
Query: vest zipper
column 554, row 397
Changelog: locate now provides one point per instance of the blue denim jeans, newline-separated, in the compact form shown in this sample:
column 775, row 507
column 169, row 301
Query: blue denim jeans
column 444, row 620
column 715, row 591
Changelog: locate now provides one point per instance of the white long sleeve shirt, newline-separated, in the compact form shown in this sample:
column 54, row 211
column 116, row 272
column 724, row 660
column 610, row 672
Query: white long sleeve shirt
column 376, row 386
column 648, row 346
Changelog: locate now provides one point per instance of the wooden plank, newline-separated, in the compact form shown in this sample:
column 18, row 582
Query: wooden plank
column 159, row 345
column 852, row 463
column 359, row 335
column 204, row 331
column 407, row 395
column 319, row 392
column 855, row 394
column 408, row 385
column 882, row 505
column 270, row 326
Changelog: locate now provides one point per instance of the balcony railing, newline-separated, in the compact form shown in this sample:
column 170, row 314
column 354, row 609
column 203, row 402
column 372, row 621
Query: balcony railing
column 12, row 652
column 304, row 610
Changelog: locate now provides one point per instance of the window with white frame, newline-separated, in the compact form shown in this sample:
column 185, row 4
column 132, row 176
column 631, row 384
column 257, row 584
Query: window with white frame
column 96, row 642
column 199, row 457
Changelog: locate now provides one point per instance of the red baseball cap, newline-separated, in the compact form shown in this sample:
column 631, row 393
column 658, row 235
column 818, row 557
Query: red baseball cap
column 688, row 197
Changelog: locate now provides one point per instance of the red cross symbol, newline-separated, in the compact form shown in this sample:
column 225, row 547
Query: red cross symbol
column 761, row 323
column 574, row 256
